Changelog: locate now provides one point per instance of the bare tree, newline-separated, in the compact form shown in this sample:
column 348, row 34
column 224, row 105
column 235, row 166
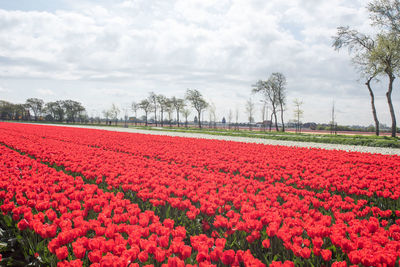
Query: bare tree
column 237, row 118
column 278, row 81
column 162, row 102
column 387, row 56
column 106, row 114
column 209, row 117
column 386, row 15
column 263, row 114
column 214, row 116
column 186, row 113
column 146, row 106
column 333, row 123
column 154, row 104
column 211, row 113
column 178, row 104
column 298, row 113
column 360, row 46
column 250, row 112
column 114, row 111
column 229, row 118
column 169, row 108
column 135, row 107
column 197, row 101
column 269, row 91
column 385, row 52
column 126, row 116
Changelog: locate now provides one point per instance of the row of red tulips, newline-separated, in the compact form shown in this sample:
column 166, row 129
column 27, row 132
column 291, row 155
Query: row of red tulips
column 309, row 224
column 348, row 172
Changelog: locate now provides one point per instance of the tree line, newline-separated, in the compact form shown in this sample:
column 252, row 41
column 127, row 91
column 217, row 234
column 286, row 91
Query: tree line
column 164, row 109
column 36, row 109
column 168, row 109
column 376, row 55
column 161, row 106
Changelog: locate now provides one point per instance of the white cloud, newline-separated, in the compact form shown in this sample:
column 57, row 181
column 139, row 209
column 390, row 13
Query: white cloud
column 4, row 89
column 45, row 92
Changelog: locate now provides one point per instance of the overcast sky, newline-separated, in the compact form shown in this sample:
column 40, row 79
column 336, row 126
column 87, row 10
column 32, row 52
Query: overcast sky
column 103, row 52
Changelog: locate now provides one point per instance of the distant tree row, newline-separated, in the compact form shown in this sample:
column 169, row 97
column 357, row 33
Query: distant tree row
column 161, row 105
column 273, row 91
column 36, row 109
column 165, row 110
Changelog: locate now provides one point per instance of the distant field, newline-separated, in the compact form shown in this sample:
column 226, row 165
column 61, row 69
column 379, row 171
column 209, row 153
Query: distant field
column 341, row 138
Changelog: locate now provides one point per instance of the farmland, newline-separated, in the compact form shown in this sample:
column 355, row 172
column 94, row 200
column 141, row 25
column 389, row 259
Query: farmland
column 100, row 198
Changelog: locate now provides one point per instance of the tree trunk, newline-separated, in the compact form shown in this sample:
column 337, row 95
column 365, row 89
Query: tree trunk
column 146, row 119
column 177, row 116
column 371, row 93
column 155, row 113
column 162, row 118
column 276, row 119
column 389, row 100
column 199, row 113
column 270, row 125
column 283, row 124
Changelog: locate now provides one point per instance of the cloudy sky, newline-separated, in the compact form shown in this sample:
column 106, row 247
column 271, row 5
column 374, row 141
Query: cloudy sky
column 103, row 52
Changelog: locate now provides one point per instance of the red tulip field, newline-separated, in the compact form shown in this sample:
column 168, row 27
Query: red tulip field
column 84, row 197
